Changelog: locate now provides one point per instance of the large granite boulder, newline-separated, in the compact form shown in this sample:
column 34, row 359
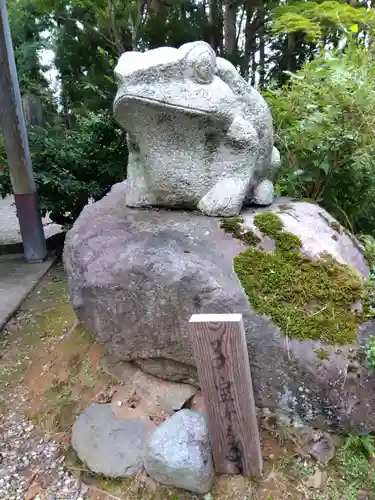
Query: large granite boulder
column 137, row 275
column 213, row 149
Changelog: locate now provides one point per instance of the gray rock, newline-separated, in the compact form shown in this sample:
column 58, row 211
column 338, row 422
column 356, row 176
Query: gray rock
column 179, row 453
column 109, row 445
column 168, row 396
column 323, row 450
column 214, row 144
column 137, row 275
column 318, row 480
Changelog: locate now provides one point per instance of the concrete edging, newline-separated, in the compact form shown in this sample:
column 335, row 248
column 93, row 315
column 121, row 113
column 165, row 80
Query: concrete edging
column 12, row 295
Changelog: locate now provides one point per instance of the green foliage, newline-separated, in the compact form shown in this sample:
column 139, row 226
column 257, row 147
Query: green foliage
column 316, row 19
column 84, row 58
column 355, row 473
column 325, row 131
column 28, row 43
column 305, row 298
column 362, row 444
column 369, row 247
column 72, row 166
column 89, row 36
column 370, row 352
column 368, row 242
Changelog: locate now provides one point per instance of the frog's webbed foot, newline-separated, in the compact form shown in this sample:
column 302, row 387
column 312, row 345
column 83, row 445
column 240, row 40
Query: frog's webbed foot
column 225, row 199
column 263, row 193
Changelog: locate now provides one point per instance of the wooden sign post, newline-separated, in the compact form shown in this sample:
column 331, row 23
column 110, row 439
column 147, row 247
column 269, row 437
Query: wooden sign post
column 220, row 349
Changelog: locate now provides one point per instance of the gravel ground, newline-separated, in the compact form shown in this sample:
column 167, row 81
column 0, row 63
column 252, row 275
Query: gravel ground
column 31, row 468
column 9, row 227
column 31, row 465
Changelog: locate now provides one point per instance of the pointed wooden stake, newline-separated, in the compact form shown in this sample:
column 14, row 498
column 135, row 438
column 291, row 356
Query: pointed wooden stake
column 223, row 367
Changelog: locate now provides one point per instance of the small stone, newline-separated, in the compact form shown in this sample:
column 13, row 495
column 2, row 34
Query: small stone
column 109, row 445
column 322, row 450
column 179, row 454
column 170, row 396
column 318, row 480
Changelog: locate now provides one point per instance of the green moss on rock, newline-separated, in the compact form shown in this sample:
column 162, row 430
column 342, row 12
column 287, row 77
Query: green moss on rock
column 268, row 223
column 287, row 242
column 336, row 226
column 307, row 299
column 233, row 225
column 321, row 353
column 250, row 238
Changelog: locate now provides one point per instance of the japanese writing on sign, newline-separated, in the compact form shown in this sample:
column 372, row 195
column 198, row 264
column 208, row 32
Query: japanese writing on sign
column 226, row 400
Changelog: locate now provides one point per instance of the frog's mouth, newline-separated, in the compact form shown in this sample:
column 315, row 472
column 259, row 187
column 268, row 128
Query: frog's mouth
column 122, row 102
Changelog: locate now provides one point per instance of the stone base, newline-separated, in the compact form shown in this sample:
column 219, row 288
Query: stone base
column 136, row 276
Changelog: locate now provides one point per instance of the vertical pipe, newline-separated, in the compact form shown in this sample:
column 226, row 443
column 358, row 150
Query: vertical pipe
column 17, row 148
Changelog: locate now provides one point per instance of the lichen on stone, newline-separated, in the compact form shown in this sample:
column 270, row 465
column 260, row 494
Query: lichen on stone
column 233, row 225
column 336, row 226
column 285, row 207
column 307, row 299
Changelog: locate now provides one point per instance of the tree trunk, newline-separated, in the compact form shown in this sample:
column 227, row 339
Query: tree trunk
column 253, row 65
column 230, row 28
column 33, row 110
column 220, row 24
column 137, row 22
column 157, row 16
column 262, row 55
column 155, row 6
column 291, row 55
column 114, row 29
column 248, row 43
column 214, row 24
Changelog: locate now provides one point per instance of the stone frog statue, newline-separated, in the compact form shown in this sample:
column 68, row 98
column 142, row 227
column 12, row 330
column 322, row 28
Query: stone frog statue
column 199, row 135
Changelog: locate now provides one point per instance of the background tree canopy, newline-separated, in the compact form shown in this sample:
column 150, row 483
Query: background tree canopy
column 312, row 59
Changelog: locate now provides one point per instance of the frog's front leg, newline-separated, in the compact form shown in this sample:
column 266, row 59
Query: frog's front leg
column 138, row 193
column 238, row 156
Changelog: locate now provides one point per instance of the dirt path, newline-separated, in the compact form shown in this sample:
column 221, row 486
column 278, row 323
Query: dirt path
column 50, row 370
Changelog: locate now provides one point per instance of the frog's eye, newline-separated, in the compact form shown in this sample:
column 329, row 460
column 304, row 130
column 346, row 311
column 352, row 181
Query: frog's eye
column 202, row 61
column 204, row 68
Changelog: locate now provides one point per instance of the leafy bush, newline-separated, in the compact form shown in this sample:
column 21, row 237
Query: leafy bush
column 72, row 166
column 325, row 128
column 360, row 444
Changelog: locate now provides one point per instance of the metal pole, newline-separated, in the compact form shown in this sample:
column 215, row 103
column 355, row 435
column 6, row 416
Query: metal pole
column 17, row 148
